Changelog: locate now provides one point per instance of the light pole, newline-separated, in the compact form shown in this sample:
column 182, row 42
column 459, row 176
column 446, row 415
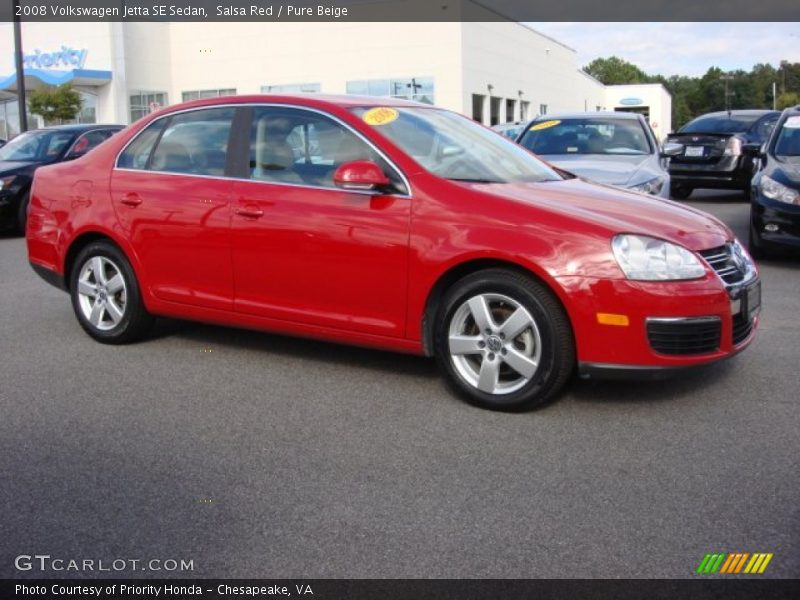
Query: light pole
column 21, row 100
column 727, row 77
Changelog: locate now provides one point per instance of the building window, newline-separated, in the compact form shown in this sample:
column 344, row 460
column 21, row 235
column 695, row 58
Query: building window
column 420, row 89
column 9, row 119
column 510, row 107
column 291, row 88
column 494, row 110
column 543, row 109
column 200, row 94
column 143, row 103
column 477, row 107
column 524, row 108
column 88, row 112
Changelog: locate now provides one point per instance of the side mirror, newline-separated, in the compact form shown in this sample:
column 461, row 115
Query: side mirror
column 361, row 175
column 671, row 149
column 753, row 150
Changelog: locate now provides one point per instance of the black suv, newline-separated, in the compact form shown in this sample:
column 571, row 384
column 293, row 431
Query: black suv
column 775, row 211
column 22, row 155
column 718, row 149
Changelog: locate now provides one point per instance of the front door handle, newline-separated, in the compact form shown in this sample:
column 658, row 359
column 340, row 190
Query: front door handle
column 131, row 199
column 249, row 212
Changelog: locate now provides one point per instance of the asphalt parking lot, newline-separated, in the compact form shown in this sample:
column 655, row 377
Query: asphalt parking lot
column 255, row 455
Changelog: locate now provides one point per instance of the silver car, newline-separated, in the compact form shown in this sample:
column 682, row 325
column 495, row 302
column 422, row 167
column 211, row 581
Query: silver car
column 616, row 148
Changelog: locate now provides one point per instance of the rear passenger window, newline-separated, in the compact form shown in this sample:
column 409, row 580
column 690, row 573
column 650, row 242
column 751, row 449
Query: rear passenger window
column 137, row 154
column 194, row 143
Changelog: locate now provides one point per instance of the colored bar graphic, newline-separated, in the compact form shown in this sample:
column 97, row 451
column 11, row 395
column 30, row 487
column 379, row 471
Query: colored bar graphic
column 733, row 563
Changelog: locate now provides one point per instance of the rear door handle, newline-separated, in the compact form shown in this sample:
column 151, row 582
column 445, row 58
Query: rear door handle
column 131, row 199
column 249, row 212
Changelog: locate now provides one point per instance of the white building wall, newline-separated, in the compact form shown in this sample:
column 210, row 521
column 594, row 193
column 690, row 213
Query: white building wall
column 511, row 57
column 246, row 56
column 654, row 97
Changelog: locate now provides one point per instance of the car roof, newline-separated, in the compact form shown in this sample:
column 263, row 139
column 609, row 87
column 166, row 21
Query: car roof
column 603, row 114
column 78, row 127
column 744, row 112
column 310, row 100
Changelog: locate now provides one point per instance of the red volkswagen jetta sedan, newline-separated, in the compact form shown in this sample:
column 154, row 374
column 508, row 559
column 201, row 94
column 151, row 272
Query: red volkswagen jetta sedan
column 389, row 224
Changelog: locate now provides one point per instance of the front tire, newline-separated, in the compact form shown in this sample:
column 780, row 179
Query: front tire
column 679, row 191
column 503, row 341
column 106, row 297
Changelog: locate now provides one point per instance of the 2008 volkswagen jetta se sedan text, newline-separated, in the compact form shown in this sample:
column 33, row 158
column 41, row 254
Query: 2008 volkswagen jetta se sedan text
column 389, row 224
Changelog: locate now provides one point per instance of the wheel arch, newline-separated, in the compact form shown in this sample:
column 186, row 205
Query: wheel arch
column 86, row 237
column 467, row 267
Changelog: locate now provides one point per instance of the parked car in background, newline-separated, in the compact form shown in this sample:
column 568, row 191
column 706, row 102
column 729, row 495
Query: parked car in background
column 510, row 130
column 715, row 150
column 299, row 221
column 775, row 208
column 25, row 153
column 616, row 148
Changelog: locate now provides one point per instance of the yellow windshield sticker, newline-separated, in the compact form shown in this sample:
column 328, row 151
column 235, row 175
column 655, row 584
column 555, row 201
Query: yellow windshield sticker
column 380, row 115
column 544, row 125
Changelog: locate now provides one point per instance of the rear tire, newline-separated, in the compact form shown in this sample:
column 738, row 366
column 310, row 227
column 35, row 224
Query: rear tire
column 106, row 297
column 503, row 341
column 679, row 191
column 22, row 213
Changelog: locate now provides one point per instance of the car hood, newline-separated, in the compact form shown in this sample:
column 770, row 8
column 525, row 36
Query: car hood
column 614, row 170
column 619, row 211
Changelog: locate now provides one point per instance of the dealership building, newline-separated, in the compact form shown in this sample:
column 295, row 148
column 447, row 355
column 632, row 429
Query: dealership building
column 494, row 72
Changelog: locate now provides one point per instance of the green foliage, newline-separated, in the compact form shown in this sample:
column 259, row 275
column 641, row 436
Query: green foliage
column 788, row 99
column 694, row 96
column 55, row 104
column 614, row 71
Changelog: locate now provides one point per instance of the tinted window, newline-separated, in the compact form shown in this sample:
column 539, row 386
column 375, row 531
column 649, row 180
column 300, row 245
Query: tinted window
column 765, row 128
column 90, row 140
column 138, row 151
column 735, row 123
column 40, row 145
column 194, row 142
column 305, row 148
column 587, row 136
column 788, row 141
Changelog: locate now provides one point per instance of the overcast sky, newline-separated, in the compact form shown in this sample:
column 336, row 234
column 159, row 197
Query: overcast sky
column 680, row 48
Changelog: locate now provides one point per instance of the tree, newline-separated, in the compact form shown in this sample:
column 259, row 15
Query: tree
column 55, row 104
column 615, row 71
column 788, row 99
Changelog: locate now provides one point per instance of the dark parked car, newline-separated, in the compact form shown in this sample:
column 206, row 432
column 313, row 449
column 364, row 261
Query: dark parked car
column 22, row 155
column 715, row 150
column 775, row 212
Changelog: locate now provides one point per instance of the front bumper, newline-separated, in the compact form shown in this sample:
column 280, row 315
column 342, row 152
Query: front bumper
column 625, row 350
column 786, row 217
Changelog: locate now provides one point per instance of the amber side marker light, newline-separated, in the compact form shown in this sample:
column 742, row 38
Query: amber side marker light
column 612, row 319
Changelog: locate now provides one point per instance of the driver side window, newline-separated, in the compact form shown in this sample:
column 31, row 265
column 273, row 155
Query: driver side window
column 300, row 147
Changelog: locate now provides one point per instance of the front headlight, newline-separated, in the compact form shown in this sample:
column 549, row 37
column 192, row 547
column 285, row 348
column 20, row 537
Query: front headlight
column 649, row 259
column 652, row 186
column 777, row 191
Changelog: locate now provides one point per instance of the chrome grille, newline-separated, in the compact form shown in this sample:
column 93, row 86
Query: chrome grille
column 729, row 264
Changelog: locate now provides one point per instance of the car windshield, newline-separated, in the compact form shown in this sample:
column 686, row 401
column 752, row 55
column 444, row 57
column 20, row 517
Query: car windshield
column 725, row 123
column 38, row 146
column 454, row 147
column 787, row 144
column 587, row 136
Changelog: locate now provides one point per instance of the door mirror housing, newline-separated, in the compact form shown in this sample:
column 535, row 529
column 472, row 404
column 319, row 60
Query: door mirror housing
column 754, row 150
column 671, row 149
column 361, row 175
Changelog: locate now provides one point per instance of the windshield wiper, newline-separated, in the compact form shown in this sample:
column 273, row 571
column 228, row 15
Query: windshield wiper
column 474, row 180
